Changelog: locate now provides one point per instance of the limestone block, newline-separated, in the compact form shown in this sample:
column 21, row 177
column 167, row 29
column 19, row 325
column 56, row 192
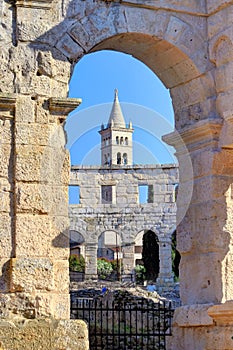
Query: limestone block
column 7, row 80
column 207, row 288
column 6, row 130
column 146, row 22
column 43, row 334
column 185, row 5
column 30, row 161
column 5, row 23
column 59, row 88
column 195, row 164
column 213, row 5
column 65, row 173
column 69, row 47
column 224, row 78
column 39, row 163
column 227, row 276
column 76, row 10
column 40, row 235
column 193, row 315
column 60, row 69
column 41, row 111
column 6, row 165
column 221, row 313
column 84, row 37
column 32, row 134
column 27, row 335
column 42, row 84
column 65, row 335
column 219, row 20
column 194, row 91
column 5, row 275
column 22, row 62
column 6, row 243
column 41, row 199
column 60, row 304
column 40, row 304
column 31, row 274
column 117, row 22
column 61, row 276
column 28, row 30
column 6, row 195
column 25, row 109
column 223, row 102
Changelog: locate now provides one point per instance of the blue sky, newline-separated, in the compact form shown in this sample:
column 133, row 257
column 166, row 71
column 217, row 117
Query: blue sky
column 144, row 100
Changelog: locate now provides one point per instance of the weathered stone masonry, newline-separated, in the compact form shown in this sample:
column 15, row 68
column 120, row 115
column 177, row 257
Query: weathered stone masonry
column 188, row 44
column 126, row 216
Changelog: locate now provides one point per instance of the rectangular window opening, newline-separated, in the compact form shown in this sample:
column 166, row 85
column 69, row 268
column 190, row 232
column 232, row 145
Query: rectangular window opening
column 74, row 194
column 106, row 194
column 146, row 194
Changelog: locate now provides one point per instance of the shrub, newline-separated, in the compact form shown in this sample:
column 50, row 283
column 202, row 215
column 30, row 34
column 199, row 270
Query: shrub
column 140, row 273
column 77, row 263
column 114, row 265
column 104, row 268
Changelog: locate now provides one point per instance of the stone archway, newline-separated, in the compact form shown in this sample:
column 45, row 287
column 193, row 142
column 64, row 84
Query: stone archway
column 186, row 45
column 150, row 255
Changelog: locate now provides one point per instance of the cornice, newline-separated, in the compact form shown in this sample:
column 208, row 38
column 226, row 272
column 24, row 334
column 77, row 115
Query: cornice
column 43, row 4
column 63, row 106
column 7, row 102
column 222, row 313
column 197, row 136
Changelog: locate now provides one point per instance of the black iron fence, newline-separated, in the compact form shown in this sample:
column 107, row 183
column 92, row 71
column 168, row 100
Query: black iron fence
column 114, row 325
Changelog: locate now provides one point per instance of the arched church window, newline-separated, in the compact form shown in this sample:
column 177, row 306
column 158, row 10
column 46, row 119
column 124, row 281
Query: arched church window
column 117, row 140
column 109, row 159
column 118, row 158
column 122, row 141
column 105, row 159
column 125, row 159
column 126, row 141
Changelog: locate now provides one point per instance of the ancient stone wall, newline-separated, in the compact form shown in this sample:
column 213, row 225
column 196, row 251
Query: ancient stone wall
column 126, row 216
column 188, row 44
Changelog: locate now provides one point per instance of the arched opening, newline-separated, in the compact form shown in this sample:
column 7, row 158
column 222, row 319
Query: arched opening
column 125, row 159
column 118, row 158
column 121, row 43
column 175, row 257
column 77, row 256
column 150, row 255
column 109, row 255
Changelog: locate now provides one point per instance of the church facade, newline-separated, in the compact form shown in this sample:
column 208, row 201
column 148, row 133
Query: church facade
column 120, row 202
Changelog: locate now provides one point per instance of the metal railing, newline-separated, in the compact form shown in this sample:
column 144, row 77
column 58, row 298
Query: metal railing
column 114, row 325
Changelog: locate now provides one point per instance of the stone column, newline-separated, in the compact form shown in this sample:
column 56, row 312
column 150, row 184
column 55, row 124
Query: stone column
column 40, row 240
column 91, row 261
column 7, row 186
column 204, row 238
column 165, row 277
column 128, row 257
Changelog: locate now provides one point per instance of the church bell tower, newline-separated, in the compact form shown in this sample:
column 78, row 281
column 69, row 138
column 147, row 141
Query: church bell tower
column 116, row 138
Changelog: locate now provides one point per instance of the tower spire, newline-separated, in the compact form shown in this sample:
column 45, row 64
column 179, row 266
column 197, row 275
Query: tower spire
column 116, row 139
column 116, row 118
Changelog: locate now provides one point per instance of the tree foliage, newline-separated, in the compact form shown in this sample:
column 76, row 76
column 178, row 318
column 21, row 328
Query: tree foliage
column 77, row 263
column 104, row 268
